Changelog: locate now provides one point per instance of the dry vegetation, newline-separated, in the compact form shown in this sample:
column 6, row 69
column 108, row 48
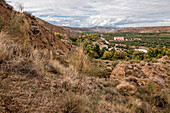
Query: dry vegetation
column 45, row 79
column 84, row 64
column 30, row 82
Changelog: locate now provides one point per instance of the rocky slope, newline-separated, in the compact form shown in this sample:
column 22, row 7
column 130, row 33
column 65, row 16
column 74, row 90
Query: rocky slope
column 133, row 76
column 31, row 82
column 31, row 30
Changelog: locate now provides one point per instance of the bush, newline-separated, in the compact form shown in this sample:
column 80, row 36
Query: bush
column 58, row 35
column 116, row 54
column 138, row 55
column 71, row 103
column 107, row 55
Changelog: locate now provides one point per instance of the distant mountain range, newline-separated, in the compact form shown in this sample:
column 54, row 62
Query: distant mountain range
column 120, row 29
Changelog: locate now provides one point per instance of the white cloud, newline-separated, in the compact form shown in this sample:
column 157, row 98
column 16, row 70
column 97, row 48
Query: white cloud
column 85, row 13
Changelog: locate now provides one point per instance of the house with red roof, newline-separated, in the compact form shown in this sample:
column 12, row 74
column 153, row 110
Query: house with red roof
column 119, row 38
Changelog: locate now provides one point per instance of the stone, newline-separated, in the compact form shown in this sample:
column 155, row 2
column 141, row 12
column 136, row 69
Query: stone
column 119, row 71
column 127, row 87
column 109, row 68
column 130, row 66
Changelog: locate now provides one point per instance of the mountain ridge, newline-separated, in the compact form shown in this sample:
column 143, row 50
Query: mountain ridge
column 102, row 29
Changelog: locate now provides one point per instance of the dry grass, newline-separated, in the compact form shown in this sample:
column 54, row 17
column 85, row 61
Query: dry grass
column 2, row 23
column 72, row 103
column 85, row 65
column 16, row 58
column 64, row 89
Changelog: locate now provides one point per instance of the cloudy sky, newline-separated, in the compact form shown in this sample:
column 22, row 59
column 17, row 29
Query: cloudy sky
column 89, row 13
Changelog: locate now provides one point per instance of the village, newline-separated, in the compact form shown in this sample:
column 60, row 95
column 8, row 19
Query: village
column 111, row 46
column 102, row 42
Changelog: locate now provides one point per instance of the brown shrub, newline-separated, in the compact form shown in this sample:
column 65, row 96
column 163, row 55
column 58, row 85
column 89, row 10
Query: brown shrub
column 72, row 103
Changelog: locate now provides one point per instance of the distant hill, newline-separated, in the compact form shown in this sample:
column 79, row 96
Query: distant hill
column 92, row 29
column 120, row 29
column 145, row 29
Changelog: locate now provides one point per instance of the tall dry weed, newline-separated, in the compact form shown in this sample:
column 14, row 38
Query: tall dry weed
column 13, row 58
column 84, row 64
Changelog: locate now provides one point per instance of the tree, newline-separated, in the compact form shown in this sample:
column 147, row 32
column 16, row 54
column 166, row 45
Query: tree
column 87, row 35
column 150, row 52
column 107, row 55
column 82, row 33
column 127, row 46
column 124, row 55
column 116, row 54
column 97, row 48
column 20, row 7
column 113, row 51
column 138, row 55
column 102, row 51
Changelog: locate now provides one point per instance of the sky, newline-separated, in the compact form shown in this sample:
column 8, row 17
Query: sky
column 90, row 13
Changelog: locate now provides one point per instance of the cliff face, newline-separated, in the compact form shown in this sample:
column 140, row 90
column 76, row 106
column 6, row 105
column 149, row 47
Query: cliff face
column 39, row 34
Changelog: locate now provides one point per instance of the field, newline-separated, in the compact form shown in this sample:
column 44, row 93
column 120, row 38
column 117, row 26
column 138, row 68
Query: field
column 141, row 39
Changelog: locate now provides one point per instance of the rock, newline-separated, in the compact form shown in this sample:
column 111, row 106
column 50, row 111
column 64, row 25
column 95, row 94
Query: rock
column 135, row 69
column 142, row 82
column 109, row 69
column 130, row 66
column 119, row 71
column 163, row 59
column 126, row 87
column 35, row 30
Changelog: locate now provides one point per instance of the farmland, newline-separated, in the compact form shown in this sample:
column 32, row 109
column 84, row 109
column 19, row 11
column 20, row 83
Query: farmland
column 141, row 39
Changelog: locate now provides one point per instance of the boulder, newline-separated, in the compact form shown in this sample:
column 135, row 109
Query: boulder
column 126, row 87
column 119, row 71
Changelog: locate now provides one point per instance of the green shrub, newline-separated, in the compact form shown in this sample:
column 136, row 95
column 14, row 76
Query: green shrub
column 58, row 35
column 107, row 55
column 138, row 55
column 116, row 54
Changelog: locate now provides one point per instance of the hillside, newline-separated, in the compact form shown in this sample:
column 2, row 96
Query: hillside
column 43, row 72
column 30, row 29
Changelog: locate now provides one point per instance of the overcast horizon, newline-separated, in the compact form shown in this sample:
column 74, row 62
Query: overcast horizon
column 90, row 13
